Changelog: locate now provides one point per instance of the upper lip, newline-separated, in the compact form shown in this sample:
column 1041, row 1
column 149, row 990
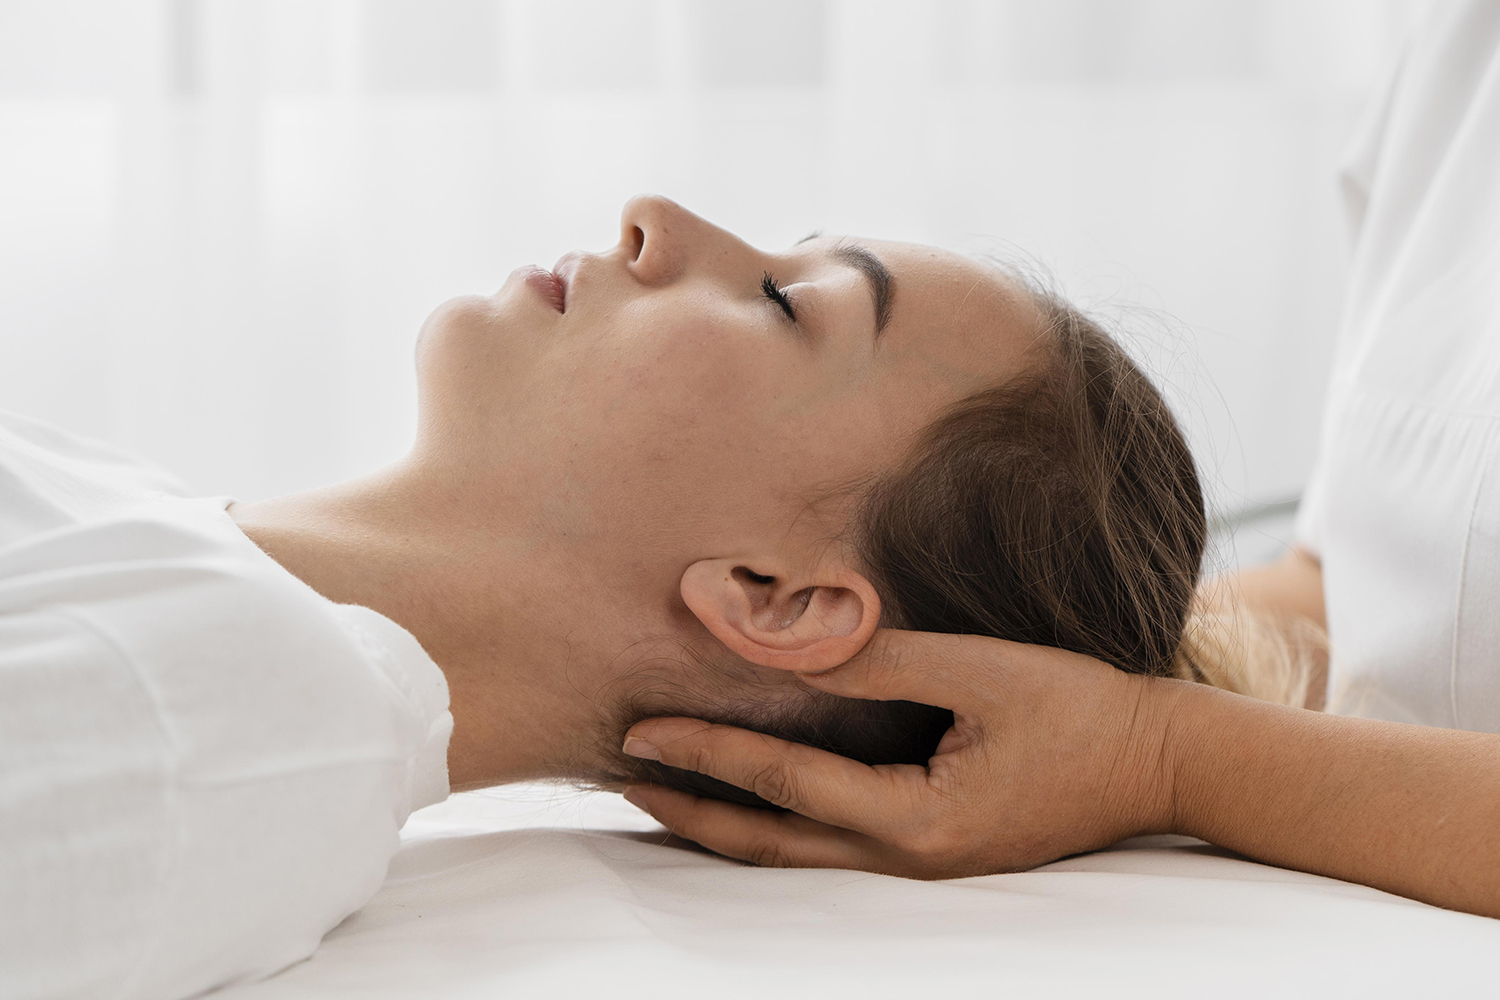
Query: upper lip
column 564, row 270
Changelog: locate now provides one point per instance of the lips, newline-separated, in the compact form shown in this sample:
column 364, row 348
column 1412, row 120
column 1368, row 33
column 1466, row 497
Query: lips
column 549, row 286
column 565, row 270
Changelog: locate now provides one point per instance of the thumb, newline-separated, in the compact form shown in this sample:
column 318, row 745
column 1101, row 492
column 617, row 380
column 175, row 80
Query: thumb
column 929, row 667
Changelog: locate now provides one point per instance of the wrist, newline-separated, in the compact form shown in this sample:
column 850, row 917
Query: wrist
column 1165, row 733
column 1206, row 749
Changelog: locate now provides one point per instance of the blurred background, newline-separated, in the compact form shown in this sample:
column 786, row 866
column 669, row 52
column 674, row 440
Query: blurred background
column 223, row 221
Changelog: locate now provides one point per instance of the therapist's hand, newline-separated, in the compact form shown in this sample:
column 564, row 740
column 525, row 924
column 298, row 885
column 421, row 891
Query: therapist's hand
column 1051, row 753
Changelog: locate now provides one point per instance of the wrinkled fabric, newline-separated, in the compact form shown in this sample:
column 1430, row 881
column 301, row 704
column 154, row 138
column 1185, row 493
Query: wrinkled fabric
column 204, row 765
column 1403, row 507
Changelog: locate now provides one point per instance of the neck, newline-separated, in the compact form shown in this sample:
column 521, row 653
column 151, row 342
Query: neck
column 498, row 610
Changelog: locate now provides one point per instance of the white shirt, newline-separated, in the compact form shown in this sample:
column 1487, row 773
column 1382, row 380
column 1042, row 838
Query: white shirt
column 1404, row 506
column 204, row 765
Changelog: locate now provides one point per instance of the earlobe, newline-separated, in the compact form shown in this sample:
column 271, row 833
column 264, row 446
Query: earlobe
column 775, row 620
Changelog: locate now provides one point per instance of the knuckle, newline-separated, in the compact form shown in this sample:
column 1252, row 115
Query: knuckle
column 775, row 783
column 697, row 757
column 768, row 854
column 877, row 652
column 898, row 657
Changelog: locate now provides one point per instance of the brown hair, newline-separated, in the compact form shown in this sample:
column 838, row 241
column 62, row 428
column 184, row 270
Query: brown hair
column 1061, row 508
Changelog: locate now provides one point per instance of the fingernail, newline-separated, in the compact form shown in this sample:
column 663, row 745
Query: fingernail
column 633, row 795
column 637, row 747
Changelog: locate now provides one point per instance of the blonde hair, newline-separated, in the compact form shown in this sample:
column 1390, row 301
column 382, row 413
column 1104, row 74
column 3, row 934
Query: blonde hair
column 1227, row 644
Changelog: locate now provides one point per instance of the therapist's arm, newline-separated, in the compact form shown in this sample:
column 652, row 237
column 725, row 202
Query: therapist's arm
column 1409, row 809
column 1053, row 753
column 1290, row 587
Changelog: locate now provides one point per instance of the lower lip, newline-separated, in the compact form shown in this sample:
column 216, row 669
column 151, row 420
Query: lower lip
column 546, row 284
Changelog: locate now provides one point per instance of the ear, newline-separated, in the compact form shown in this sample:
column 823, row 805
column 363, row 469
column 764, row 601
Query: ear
column 778, row 620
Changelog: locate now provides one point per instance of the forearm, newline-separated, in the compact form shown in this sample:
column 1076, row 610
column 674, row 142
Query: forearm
column 1408, row 809
column 1290, row 587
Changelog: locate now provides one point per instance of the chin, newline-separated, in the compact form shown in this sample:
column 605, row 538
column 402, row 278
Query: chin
column 470, row 348
column 466, row 317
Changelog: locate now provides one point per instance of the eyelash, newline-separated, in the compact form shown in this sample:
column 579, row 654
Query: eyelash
column 775, row 294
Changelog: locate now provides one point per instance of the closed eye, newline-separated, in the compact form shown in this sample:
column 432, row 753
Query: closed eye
column 775, row 294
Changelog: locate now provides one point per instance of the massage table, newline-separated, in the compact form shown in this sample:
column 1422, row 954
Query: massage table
column 548, row 891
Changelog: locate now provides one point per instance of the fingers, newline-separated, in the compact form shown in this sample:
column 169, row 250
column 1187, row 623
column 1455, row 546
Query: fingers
column 822, row 786
column 928, row 667
column 771, row 840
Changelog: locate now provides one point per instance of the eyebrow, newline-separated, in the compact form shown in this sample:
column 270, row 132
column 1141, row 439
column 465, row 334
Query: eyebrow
column 882, row 287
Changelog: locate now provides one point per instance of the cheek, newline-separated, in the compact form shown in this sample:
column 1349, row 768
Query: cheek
column 680, row 385
column 675, row 424
column 707, row 409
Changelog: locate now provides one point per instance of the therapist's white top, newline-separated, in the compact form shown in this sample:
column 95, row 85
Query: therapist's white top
column 204, row 765
column 1404, row 505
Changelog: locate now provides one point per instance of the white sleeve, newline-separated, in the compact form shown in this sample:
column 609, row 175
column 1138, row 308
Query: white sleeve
column 1417, row 184
column 201, row 770
column 1355, row 179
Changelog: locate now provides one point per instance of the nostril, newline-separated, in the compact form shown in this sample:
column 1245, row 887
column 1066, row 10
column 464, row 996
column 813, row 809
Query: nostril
column 636, row 242
column 747, row 575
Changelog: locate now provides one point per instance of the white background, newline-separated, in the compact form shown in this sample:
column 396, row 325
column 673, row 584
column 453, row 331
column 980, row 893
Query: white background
column 221, row 223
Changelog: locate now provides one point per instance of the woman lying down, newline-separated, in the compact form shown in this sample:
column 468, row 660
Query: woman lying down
column 881, row 535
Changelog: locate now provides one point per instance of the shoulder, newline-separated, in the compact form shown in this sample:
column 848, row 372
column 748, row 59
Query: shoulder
column 165, row 681
column 203, row 618
column 31, row 445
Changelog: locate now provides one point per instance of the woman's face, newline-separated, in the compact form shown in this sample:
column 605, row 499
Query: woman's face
column 684, row 394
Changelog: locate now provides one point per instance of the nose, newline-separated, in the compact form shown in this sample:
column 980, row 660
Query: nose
column 659, row 238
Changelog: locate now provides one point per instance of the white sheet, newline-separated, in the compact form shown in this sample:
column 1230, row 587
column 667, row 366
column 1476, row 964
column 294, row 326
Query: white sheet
column 538, row 891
